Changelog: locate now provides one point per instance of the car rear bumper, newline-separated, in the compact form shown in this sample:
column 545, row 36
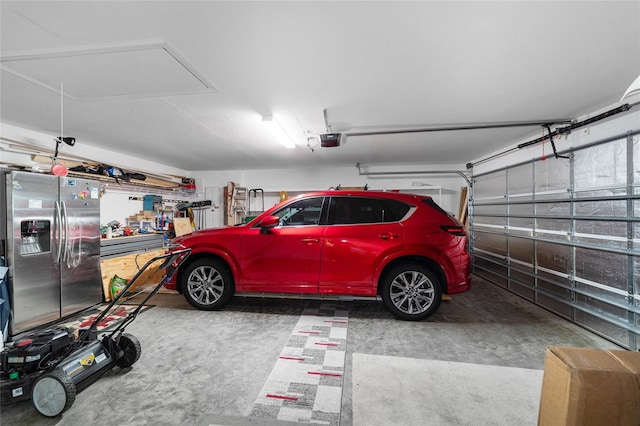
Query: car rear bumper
column 462, row 279
column 459, row 287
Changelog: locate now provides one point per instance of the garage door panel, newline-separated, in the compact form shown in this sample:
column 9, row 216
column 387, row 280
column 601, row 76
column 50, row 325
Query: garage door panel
column 552, row 179
column 554, row 257
column 560, row 307
column 492, row 185
column 558, row 288
column 572, row 228
column 636, row 276
column 492, row 275
column 560, row 208
column 491, row 268
column 521, row 226
column 521, row 209
column 604, row 208
column 521, row 250
column 522, row 290
column 523, row 275
column 553, row 229
column 520, row 182
column 602, row 268
column 601, row 166
column 616, row 333
column 491, row 209
column 605, row 234
column 493, row 243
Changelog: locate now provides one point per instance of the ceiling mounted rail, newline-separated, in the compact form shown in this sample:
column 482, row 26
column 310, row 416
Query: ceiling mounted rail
column 417, row 172
column 559, row 132
column 453, row 127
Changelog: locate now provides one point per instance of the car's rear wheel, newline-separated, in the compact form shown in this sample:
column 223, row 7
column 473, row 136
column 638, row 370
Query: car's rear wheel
column 207, row 284
column 411, row 291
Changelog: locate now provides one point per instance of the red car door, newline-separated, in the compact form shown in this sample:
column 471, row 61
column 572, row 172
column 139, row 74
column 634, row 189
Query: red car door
column 361, row 233
column 285, row 258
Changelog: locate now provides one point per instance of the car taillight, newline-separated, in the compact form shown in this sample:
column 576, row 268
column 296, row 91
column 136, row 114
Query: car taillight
column 454, row 230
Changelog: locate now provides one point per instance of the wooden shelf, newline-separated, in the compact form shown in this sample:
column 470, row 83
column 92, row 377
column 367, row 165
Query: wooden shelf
column 154, row 182
column 147, row 183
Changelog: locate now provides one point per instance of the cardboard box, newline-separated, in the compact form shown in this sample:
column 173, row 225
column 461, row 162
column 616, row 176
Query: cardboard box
column 585, row 387
column 182, row 226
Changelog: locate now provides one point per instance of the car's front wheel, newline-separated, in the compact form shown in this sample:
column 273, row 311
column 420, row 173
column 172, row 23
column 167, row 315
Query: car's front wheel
column 411, row 291
column 207, row 284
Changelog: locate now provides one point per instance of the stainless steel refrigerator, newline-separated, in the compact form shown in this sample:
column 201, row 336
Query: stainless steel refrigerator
column 50, row 234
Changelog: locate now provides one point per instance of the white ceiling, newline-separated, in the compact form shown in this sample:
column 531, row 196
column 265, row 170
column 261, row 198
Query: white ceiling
column 184, row 83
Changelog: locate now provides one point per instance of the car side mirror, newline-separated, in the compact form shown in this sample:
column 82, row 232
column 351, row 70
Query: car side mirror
column 268, row 223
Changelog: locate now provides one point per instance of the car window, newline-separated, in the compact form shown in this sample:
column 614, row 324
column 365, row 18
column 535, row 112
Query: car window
column 433, row 204
column 302, row 212
column 353, row 210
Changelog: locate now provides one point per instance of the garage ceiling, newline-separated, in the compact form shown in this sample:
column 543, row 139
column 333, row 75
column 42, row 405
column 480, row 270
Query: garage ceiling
column 185, row 83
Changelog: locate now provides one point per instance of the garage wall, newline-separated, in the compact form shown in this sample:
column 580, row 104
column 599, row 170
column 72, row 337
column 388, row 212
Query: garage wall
column 445, row 189
column 564, row 233
column 120, row 203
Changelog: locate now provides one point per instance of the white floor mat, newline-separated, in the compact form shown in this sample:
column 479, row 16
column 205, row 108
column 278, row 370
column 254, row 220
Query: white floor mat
column 306, row 382
column 407, row 391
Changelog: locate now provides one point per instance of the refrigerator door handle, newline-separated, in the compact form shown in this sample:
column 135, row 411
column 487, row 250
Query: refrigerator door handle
column 65, row 219
column 58, row 230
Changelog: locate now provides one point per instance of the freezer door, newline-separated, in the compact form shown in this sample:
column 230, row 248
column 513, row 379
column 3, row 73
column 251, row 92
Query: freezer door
column 32, row 230
column 81, row 279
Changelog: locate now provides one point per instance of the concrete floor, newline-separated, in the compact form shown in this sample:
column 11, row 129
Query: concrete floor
column 209, row 368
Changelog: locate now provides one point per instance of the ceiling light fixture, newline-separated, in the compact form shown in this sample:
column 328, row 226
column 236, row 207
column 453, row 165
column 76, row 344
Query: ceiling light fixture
column 278, row 131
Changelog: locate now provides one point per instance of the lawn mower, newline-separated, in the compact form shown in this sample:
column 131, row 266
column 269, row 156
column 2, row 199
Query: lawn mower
column 50, row 366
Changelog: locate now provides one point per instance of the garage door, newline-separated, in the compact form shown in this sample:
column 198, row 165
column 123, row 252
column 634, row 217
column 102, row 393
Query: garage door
column 564, row 233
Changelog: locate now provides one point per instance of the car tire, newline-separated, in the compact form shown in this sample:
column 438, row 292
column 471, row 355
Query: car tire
column 130, row 346
column 207, row 284
column 411, row 291
column 53, row 393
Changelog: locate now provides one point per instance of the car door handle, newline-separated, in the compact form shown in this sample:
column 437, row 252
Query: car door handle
column 310, row 240
column 388, row 236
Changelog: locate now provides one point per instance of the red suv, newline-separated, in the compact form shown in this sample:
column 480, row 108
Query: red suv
column 400, row 247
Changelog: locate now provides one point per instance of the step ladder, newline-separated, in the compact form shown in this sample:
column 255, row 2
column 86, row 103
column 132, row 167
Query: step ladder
column 239, row 204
